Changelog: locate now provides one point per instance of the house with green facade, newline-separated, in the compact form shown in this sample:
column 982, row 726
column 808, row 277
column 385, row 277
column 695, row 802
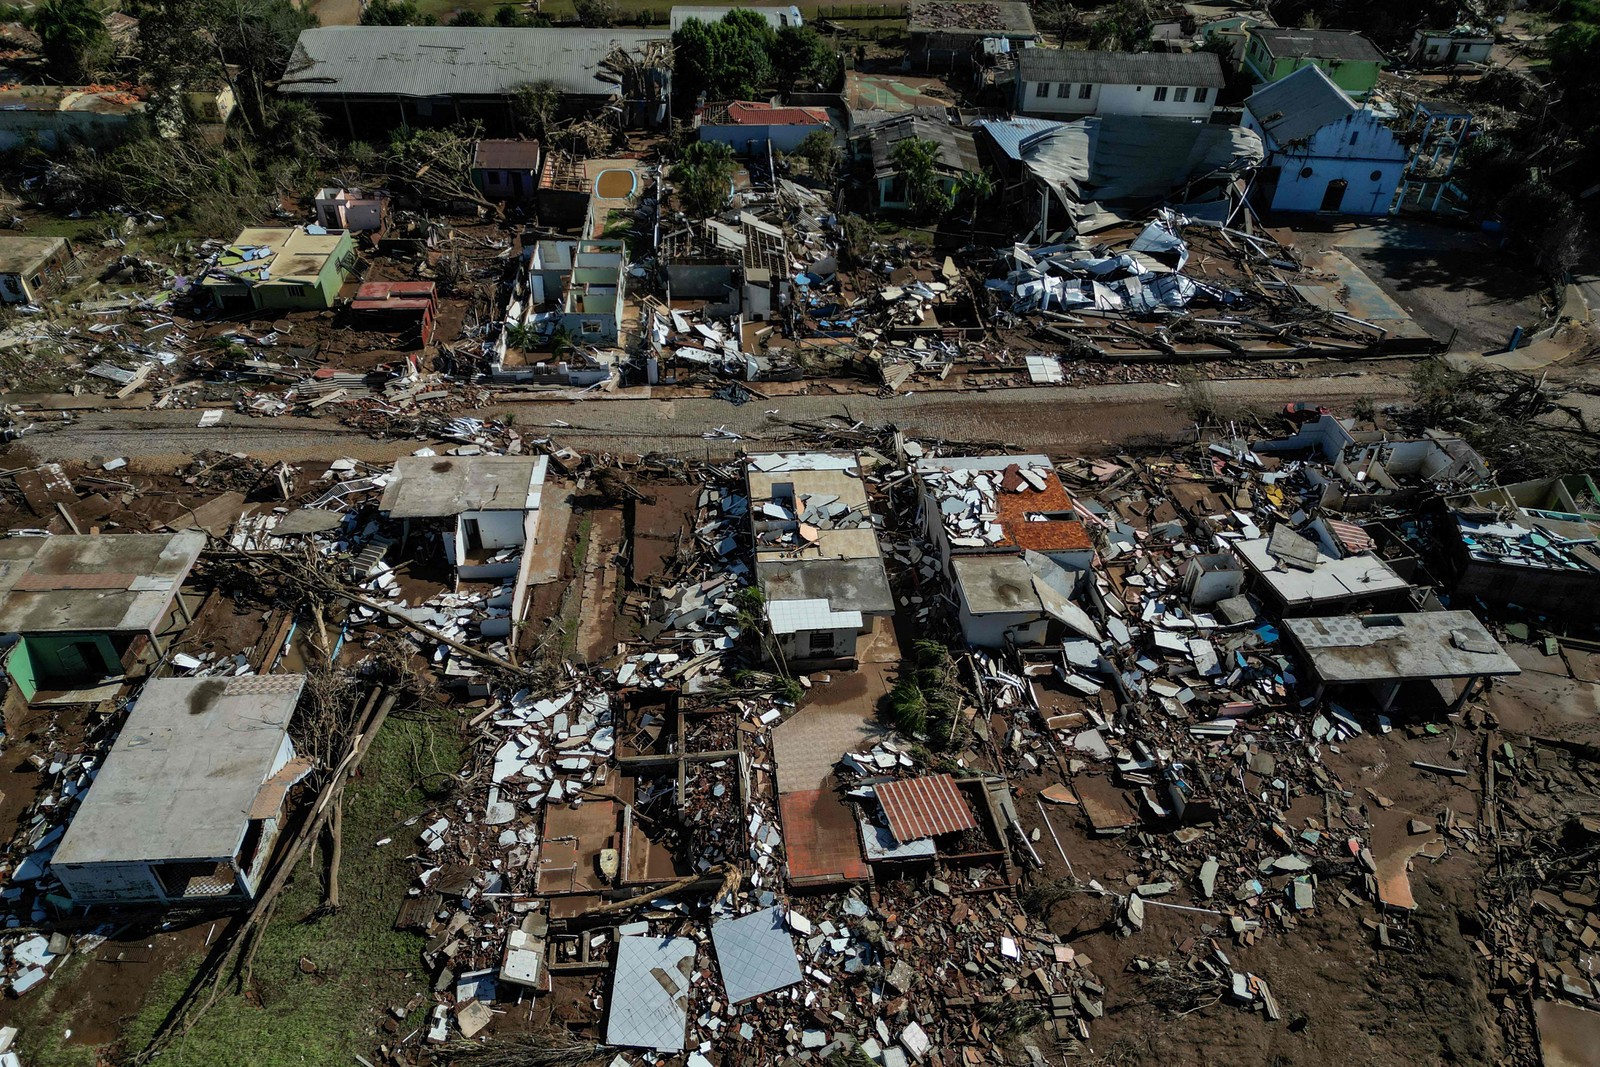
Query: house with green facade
column 1348, row 59
column 281, row 268
column 87, row 611
column 956, row 153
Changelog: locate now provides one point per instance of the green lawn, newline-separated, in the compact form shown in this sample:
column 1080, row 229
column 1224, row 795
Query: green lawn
column 363, row 966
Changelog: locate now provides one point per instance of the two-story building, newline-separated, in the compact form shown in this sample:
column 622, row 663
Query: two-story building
column 1350, row 60
column 1069, row 84
column 1324, row 152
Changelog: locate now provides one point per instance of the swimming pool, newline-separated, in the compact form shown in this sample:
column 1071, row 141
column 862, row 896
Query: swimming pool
column 615, row 184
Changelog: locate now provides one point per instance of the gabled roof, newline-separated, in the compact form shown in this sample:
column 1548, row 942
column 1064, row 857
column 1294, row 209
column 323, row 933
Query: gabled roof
column 958, row 152
column 424, row 61
column 1290, row 43
column 1294, row 108
column 757, row 113
column 500, row 154
column 1119, row 68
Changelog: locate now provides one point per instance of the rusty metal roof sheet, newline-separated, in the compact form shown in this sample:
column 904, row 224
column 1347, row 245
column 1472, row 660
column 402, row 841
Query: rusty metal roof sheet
column 925, row 807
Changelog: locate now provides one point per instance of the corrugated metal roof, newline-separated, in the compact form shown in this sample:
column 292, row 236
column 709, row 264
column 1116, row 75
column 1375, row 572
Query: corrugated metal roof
column 958, row 151
column 1120, row 68
column 755, row 955
column 925, row 807
column 505, row 154
column 1298, row 106
column 650, row 993
column 425, row 61
column 1288, row 42
column 1110, row 158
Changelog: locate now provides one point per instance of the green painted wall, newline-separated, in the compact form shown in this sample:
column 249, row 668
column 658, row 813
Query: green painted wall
column 37, row 662
column 1356, row 77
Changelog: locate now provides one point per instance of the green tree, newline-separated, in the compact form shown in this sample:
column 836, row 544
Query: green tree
column 821, row 154
column 468, row 16
column 1545, row 221
column 534, row 107
column 200, row 44
column 596, row 14
column 728, row 58
column 1124, row 28
column 704, row 176
column 804, row 58
column 73, row 38
column 975, row 187
column 395, row 13
column 916, row 160
column 513, row 17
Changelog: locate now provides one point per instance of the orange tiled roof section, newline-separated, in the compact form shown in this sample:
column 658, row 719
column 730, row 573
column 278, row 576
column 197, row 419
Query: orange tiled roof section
column 1052, row 535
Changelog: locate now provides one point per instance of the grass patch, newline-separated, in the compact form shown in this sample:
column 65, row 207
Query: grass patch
column 363, row 965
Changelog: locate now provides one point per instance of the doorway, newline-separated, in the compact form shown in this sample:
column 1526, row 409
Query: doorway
column 474, row 536
column 1334, row 196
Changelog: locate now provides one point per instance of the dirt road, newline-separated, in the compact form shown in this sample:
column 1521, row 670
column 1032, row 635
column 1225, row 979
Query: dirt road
column 1056, row 421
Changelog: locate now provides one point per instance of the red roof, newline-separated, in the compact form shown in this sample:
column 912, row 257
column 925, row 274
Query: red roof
column 820, row 838
column 397, row 296
column 925, row 807
column 755, row 113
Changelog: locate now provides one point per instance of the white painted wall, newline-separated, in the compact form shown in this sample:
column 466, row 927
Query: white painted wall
column 499, row 529
column 753, row 140
column 1116, row 100
column 1360, row 150
column 797, row 646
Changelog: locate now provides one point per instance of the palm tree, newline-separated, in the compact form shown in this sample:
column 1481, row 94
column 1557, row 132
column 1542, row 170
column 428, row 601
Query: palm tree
column 978, row 187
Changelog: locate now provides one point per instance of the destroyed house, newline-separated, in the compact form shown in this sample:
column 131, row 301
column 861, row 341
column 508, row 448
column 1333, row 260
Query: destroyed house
column 736, row 268
column 1011, row 543
column 1350, row 60
column 191, row 798
column 949, row 34
column 957, row 155
column 1324, row 152
column 1371, row 470
column 368, row 78
column 594, row 292
column 1383, row 652
column 87, row 610
column 1078, row 177
column 351, row 209
column 485, row 509
column 1305, row 576
column 405, row 309
column 29, row 264
column 1449, row 48
column 280, row 268
column 818, row 564
column 1534, row 545
column 1072, row 83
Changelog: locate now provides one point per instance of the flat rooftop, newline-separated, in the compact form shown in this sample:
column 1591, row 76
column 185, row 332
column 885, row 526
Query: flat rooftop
column 100, row 583
column 23, row 255
column 436, row 487
column 285, row 255
column 1412, row 646
column 181, row 779
column 815, row 538
column 1328, row 579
